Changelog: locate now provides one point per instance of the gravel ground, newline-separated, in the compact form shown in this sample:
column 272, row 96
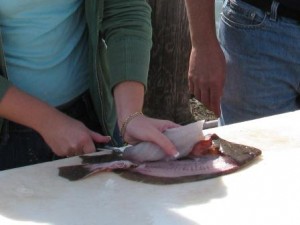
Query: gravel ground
column 200, row 112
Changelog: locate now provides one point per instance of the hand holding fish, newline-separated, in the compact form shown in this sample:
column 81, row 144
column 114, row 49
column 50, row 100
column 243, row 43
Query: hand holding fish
column 144, row 129
column 136, row 127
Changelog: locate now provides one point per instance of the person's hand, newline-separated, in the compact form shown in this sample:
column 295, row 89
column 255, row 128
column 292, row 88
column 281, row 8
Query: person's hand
column 143, row 128
column 64, row 135
column 206, row 75
column 69, row 137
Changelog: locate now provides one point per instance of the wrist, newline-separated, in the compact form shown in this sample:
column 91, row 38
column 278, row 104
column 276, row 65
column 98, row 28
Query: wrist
column 205, row 43
column 127, row 120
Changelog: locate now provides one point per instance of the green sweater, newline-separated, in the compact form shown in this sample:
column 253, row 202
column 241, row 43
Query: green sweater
column 119, row 50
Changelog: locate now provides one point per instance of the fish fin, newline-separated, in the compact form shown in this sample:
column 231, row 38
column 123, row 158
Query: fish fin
column 77, row 172
column 241, row 154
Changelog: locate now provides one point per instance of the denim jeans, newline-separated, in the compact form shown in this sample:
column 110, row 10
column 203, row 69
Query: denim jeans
column 262, row 53
column 21, row 146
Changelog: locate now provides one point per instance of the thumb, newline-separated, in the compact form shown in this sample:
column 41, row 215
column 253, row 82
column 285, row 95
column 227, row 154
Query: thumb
column 100, row 138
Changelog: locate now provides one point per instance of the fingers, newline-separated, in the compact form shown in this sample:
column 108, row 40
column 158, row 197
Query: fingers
column 87, row 146
column 150, row 129
column 96, row 137
column 81, row 149
column 167, row 146
column 216, row 102
column 163, row 125
column 210, row 99
column 160, row 139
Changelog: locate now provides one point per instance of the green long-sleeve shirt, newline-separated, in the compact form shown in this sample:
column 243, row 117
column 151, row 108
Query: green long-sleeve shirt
column 119, row 50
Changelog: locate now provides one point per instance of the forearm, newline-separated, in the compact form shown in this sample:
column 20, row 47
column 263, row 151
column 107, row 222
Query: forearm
column 129, row 98
column 207, row 63
column 22, row 108
column 64, row 135
column 201, row 15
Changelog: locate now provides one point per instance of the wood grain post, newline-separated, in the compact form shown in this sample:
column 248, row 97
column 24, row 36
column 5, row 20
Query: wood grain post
column 167, row 96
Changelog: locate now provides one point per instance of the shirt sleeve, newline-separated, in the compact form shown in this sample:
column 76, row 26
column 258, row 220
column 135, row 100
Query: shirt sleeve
column 127, row 32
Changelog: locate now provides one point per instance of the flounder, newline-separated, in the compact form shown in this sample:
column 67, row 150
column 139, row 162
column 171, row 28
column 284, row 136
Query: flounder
column 201, row 157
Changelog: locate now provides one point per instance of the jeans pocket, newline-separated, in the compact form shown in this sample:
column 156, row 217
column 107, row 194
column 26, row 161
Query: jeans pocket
column 241, row 15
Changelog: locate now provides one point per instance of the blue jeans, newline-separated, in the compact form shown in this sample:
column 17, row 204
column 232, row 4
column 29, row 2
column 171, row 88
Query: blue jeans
column 262, row 53
column 21, row 146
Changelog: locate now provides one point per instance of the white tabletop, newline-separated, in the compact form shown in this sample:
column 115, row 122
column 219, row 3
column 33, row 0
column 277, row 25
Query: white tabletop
column 266, row 192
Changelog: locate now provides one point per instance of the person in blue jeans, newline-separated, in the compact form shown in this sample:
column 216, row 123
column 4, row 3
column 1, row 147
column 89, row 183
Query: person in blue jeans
column 261, row 44
column 207, row 63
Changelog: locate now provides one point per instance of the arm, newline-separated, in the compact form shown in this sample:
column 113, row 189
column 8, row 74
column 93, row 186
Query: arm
column 207, row 63
column 129, row 99
column 128, row 34
column 64, row 135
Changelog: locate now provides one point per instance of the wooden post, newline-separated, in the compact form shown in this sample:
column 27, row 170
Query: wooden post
column 167, row 96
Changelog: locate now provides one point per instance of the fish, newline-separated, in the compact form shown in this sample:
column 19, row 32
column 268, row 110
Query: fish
column 220, row 158
column 210, row 156
column 183, row 137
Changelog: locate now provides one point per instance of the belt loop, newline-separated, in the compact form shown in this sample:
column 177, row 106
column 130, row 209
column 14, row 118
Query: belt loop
column 274, row 11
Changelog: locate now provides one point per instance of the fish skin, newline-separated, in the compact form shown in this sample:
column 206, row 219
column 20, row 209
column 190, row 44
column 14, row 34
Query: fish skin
column 184, row 138
column 241, row 154
column 139, row 174
column 186, row 167
column 223, row 158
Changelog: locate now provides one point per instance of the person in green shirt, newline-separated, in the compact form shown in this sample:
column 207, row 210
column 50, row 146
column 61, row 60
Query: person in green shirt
column 74, row 72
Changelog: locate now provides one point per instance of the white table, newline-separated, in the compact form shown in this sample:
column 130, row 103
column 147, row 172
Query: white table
column 265, row 193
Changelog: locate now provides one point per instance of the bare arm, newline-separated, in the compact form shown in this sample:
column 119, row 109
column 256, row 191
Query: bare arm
column 129, row 97
column 207, row 62
column 64, row 135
